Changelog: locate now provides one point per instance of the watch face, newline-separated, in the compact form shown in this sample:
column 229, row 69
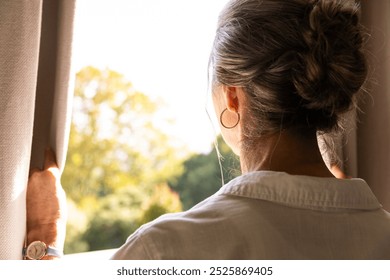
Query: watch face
column 36, row 250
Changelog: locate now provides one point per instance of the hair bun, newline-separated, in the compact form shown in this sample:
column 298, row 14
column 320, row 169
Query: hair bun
column 331, row 68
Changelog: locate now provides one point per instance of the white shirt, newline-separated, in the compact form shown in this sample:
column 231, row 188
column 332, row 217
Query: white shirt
column 271, row 215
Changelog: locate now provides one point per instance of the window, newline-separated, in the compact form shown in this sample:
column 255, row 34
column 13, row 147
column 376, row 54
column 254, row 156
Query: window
column 139, row 115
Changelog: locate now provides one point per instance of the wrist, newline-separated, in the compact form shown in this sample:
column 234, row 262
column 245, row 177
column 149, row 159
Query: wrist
column 44, row 241
column 38, row 250
column 52, row 235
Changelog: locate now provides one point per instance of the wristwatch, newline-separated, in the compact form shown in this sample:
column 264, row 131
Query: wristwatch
column 36, row 250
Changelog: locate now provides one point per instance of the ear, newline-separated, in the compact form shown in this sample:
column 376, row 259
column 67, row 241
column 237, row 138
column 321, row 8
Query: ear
column 231, row 98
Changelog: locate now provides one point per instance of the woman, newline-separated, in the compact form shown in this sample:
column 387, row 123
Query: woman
column 284, row 71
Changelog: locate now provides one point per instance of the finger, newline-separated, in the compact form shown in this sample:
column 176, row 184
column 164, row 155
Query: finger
column 50, row 159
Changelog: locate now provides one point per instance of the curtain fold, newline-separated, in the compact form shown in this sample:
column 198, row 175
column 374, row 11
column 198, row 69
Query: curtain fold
column 36, row 90
column 364, row 147
column 55, row 84
column 373, row 125
column 19, row 49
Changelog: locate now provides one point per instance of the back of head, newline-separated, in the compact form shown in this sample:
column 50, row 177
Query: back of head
column 300, row 62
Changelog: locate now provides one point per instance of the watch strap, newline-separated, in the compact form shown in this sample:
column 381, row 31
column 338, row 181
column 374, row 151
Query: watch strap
column 52, row 251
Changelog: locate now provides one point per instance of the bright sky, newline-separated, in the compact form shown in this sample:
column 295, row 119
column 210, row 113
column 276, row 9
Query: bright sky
column 162, row 47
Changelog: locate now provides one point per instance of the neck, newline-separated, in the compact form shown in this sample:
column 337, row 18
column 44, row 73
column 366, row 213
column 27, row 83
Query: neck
column 285, row 152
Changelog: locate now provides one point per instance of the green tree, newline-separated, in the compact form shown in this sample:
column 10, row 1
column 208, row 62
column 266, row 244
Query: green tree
column 115, row 219
column 120, row 214
column 114, row 142
column 202, row 174
column 116, row 163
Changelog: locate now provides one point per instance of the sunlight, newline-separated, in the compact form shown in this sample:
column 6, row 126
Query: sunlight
column 162, row 47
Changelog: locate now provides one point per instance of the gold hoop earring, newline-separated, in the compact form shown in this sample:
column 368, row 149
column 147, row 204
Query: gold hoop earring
column 229, row 127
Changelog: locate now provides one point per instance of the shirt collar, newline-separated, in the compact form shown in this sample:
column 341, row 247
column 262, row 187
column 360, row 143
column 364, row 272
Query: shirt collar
column 303, row 191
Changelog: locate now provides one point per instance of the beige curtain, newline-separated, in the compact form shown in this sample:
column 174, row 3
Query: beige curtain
column 373, row 127
column 365, row 150
column 36, row 90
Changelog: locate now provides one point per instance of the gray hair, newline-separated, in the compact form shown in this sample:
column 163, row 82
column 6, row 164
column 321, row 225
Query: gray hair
column 300, row 62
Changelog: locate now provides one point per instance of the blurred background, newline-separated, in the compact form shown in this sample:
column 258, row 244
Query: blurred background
column 141, row 142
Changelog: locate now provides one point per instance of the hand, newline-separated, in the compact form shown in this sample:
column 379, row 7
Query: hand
column 46, row 204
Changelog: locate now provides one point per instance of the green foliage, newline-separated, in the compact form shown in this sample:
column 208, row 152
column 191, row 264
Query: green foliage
column 113, row 142
column 163, row 201
column 116, row 218
column 202, row 174
column 117, row 161
column 76, row 226
column 120, row 214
